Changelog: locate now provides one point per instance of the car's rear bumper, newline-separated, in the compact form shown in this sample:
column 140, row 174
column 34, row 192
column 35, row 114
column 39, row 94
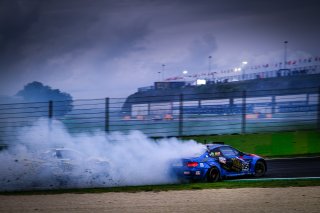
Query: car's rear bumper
column 189, row 173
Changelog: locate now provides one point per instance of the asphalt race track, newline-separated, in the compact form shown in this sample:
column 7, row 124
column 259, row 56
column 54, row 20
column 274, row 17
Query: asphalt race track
column 293, row 168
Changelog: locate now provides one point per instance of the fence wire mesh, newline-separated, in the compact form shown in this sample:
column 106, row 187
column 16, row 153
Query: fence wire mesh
column 172, row 115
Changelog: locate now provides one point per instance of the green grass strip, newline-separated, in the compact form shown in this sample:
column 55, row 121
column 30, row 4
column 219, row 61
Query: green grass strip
column 276, row 144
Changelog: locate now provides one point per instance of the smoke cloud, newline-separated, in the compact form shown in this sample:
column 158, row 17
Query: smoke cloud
column 46, row 156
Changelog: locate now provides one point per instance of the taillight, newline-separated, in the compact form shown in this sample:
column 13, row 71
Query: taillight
column 192, row 164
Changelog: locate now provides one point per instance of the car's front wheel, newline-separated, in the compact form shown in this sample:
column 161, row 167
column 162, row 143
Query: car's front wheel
column 213, row 174
column 259, row 169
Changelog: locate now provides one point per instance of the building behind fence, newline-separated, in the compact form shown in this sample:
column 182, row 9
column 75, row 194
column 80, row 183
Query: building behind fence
column 173, row 115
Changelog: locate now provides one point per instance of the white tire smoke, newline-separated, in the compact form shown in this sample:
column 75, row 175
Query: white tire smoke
column 50, row 157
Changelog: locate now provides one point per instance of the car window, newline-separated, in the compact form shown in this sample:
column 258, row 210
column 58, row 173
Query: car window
column 215, row 153
column 228, row 151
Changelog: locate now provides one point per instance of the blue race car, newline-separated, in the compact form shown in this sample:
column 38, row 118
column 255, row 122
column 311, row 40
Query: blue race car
column 217, row 162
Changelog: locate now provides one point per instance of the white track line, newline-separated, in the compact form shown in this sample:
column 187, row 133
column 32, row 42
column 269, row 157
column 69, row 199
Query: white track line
column 268, row 159
column 271, row 179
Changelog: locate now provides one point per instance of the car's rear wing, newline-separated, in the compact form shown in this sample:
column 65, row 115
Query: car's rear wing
column 218, row 143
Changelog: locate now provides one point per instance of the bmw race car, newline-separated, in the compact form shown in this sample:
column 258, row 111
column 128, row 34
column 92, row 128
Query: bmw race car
column 217, row 162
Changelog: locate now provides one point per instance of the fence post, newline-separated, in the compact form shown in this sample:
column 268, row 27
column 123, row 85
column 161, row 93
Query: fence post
column 50, row 114
column 50, row 109
column 181, row 115
column 273, row 105
column 107, row 116
column 244, row 112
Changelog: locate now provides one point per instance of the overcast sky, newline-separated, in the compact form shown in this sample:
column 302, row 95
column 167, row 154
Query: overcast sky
column 109, row 48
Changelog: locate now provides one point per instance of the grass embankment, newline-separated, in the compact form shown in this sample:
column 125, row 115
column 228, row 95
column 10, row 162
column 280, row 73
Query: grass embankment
column 171, row 187
column 278, row 144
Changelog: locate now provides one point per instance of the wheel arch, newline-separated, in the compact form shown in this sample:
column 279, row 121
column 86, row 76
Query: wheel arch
column 264, row 162
column 209, row 170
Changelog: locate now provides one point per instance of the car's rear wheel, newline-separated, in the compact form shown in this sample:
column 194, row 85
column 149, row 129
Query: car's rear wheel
column 213, row 174
column 259, row 169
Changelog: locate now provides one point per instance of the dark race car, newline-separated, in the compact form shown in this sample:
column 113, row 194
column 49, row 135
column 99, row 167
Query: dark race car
column 217, row 162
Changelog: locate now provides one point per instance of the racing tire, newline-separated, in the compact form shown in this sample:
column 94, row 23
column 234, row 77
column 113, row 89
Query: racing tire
column 213, row 175
column 259, row 169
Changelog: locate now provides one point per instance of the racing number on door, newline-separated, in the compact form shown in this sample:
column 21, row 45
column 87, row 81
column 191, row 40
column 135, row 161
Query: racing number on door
column 230, row 161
